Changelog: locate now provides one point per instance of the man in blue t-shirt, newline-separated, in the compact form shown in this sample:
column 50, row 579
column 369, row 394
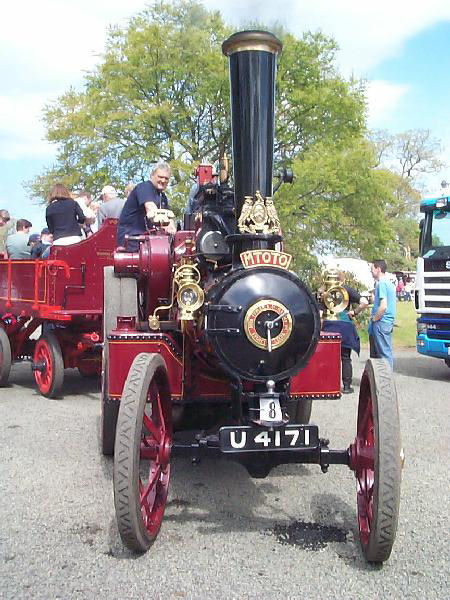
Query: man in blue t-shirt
column 142, row 204
column 383, row 314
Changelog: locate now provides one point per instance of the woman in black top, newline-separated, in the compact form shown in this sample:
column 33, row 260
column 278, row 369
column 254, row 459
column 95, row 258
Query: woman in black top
column 63, row 216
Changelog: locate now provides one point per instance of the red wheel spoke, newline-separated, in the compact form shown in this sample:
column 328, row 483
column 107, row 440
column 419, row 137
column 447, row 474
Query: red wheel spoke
column 151, row 427
column 153, row 480
column 149, row 449
column 160, row 413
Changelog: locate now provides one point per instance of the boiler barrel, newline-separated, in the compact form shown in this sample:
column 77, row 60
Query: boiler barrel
column 252, row 81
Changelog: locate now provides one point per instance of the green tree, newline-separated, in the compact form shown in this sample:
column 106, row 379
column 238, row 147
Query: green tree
column 406, row 158
column 161, row 90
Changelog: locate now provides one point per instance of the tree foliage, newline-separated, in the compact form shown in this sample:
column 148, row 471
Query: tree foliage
column 161, row 91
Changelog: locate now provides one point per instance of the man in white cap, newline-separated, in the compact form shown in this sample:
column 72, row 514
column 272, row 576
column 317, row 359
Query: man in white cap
column 111, row 207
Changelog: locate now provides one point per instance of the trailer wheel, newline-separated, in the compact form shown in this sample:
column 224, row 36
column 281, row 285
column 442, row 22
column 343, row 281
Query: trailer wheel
column 142, row 452
column 48, row 359
column 375, row 457
column 5, row 357
column 119, row 298
column 300, row 411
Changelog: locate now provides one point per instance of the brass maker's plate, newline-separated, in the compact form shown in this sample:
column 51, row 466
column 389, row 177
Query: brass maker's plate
column 260, row 313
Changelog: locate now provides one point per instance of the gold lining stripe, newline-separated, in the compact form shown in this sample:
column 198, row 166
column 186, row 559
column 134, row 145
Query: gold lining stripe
column 261, row 47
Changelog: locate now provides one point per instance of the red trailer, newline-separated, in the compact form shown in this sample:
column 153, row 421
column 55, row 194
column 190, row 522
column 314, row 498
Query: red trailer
column 64, row 295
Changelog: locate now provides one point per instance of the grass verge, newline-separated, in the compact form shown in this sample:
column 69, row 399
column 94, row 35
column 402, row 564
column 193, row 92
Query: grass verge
column 404, row 335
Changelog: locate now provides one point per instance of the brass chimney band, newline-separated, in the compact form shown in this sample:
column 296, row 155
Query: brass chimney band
column 251, row 40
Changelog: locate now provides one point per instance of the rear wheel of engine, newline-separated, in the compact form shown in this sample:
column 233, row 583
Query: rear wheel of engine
column 300, row 411
column 142, row 452
column 376, row 460
column 119, row 299
column 49, row 374
column 5, row 357
column 89, row 368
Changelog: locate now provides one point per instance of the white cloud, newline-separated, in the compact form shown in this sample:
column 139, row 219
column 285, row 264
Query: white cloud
column 46, row 45
column 367, row 32
column 383, row 98
column 21, row 130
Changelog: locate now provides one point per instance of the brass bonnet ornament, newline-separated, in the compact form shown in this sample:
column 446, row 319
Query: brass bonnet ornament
column 259, row 215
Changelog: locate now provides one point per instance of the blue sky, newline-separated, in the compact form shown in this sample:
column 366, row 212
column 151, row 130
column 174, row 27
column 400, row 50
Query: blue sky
column 400, row 48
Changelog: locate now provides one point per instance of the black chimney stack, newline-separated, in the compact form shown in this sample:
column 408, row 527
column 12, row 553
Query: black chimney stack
column 252, row 81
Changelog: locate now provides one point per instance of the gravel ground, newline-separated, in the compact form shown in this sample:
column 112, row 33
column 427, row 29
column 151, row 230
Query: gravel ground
column 225, row 535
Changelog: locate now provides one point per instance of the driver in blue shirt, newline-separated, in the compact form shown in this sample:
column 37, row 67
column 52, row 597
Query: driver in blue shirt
column 142, row 205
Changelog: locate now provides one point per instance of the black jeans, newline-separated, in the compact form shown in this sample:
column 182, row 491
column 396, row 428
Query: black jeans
column 347, row 370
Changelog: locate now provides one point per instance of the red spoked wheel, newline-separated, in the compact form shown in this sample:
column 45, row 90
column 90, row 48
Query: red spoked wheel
column 142, row 452
column 375, row 457
column 49, row 366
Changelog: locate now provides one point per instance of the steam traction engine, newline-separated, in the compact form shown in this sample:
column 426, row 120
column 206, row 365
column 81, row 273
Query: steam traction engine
column 212, row 329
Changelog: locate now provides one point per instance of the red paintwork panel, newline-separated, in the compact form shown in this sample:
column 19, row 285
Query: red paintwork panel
column 57, row 288
column 123, row 351
column 322, row 376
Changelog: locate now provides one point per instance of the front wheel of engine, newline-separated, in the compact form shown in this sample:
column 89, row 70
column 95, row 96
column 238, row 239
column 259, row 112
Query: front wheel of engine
column 142, row 452
column 376, row 461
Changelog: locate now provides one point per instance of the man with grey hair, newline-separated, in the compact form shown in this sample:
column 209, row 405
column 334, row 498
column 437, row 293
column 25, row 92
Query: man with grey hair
column 146, row 203
column 111, row 206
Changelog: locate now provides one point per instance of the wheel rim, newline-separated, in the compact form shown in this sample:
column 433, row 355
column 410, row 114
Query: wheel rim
column 44, row 378
column 363, row 451
column 154, row 459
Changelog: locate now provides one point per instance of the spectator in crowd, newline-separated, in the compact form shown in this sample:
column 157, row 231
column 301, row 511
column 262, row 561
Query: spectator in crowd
column 84, row 199
column 17, row 243
column 6, row 227
column 111, row 207
column 408, row 291
column 399, row 289
column 64, row 216
column 33, row 240
column 44, row 243
column 359, row 303
column 142, row 205
column 382, row 318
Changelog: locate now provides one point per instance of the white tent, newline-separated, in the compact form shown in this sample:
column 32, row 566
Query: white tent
column 359, row 268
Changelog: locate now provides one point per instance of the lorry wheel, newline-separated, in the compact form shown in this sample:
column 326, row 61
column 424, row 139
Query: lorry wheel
column 5, row 357
column 48, row 357
column 300, row 411
column 375, row 457
column 119, row 298
column 142, row 452
column 447, row 361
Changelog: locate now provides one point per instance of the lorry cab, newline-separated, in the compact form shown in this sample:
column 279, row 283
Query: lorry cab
column 432, row 296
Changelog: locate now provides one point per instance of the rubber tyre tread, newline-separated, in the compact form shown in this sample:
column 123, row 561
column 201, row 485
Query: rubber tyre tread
column 54, row 346
column 121, row 296
column 300, row 411
column 5, row 351
column 388, row 470
column 126, row 456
